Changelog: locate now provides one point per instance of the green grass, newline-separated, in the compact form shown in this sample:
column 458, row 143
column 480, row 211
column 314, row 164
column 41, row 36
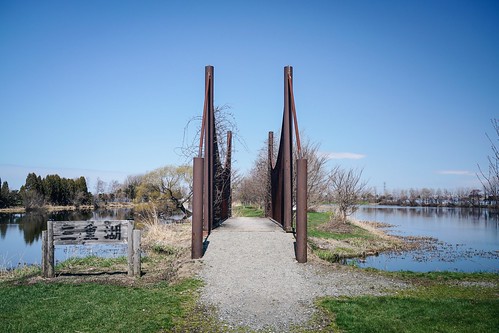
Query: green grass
column 445, row 276
column 247, row 211
column 316, row 219
column 439, row 304
column 93, row 307
column 91, row 261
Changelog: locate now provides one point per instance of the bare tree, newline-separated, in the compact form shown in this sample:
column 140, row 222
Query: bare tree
column 255, row 186
column 490, row 177
column 346, row 189
column 317, row 175
column 100, row 186
column 224, row 122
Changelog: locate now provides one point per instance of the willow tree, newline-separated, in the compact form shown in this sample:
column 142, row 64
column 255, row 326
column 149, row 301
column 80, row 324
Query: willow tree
column 168, row 187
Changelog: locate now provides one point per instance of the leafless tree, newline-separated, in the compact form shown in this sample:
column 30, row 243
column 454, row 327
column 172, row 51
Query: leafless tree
column 100, row 186
column 346, row 189
column 255, row 186
column 317, row 174
column 224, row 122
column 490, row 178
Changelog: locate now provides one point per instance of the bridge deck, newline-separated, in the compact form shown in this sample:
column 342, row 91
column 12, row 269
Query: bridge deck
column 249, row 224
column 247, row 268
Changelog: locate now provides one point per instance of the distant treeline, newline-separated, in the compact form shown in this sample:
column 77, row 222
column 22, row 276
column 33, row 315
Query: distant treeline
column 50, row 190
column 463, row 197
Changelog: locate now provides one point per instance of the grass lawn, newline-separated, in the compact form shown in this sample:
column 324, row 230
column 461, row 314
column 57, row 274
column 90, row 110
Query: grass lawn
column 434, row 302
column 91, row 307
column 316, row 219
column 247, row 211
column 443, row 302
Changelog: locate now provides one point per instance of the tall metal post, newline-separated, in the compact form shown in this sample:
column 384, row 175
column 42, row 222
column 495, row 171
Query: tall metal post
column 301, row 210
column 197, row 208
column 226, row 204
column 268, row 194
column 208, row 187
column 287, row 153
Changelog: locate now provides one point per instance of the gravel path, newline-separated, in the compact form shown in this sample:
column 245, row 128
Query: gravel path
column 253, row 279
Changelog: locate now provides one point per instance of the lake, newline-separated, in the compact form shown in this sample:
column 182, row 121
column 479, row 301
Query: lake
column 21, row 234
column 457, row 239
column 462, row 239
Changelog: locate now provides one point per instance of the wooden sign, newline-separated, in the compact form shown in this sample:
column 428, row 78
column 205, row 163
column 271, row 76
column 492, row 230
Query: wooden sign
column 90, row 232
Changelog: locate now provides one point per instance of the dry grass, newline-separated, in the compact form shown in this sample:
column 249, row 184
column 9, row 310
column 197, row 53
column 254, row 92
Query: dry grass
column 156, row 233
column 336, row 240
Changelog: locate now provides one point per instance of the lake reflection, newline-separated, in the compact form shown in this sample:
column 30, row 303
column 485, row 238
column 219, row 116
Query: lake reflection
column 465, row 239
column 20, row 234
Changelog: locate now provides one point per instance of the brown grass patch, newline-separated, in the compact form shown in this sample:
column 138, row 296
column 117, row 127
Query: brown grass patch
column 336, row 226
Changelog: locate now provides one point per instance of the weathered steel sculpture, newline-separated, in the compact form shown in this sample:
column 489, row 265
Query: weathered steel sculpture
column 211, row 179
column 280, row 207
column 211, row 183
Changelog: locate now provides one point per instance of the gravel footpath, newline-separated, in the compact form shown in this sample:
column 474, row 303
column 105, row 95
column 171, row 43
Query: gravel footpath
column 252, row 278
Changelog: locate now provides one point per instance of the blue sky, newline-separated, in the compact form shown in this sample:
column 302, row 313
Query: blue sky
column 403, row 89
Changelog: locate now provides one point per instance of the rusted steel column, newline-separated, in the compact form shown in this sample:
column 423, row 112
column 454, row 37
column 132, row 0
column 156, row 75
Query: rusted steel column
column 197, row 208
column 208, row 187
column 301, row 210
column 270, row 158
column 287, row 153
column 228, row 169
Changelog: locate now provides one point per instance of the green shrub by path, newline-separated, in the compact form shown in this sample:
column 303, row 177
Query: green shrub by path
column 432, row 307
column 93, row 307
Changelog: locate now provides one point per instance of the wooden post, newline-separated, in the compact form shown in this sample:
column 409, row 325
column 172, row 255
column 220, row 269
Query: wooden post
column 44, row 253
column 50, row 249
column 136, row 252
column 130, row 247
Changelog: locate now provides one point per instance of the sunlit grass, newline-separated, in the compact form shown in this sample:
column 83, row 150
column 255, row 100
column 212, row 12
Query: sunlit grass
column 316, row 219
column 247, row 211
column 93, row 307
column 440, row 302
column 91, row 261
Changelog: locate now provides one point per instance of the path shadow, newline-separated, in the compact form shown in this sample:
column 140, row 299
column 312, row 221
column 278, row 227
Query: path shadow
column 206, row 243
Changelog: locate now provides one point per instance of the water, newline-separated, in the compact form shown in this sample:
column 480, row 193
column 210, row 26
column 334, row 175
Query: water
column 461, row 239
column 21, row 234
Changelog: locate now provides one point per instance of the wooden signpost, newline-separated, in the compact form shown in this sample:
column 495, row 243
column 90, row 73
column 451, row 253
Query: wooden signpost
column 90, row 232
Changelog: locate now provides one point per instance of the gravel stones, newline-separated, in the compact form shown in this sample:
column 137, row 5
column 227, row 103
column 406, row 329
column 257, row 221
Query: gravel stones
column 252, row 278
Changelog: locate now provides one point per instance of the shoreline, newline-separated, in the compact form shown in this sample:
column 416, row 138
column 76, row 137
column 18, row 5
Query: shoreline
column 50, row 208
column 357, row 239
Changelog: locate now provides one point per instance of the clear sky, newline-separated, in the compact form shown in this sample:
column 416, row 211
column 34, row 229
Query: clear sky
column 403, row 89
